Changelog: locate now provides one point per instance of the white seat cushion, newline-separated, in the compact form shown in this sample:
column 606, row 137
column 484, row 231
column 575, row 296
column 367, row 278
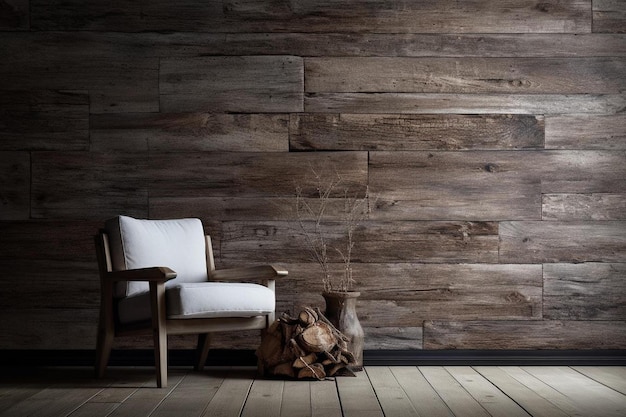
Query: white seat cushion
column 203, row 300
column 178, row 244
column 219, row 299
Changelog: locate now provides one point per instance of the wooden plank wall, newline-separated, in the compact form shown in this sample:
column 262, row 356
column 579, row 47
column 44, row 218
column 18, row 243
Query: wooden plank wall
column 491, row 135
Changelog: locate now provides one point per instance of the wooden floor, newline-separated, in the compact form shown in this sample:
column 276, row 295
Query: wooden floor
column 377, row 391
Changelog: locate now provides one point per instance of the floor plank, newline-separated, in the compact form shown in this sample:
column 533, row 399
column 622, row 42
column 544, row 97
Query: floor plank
column 296, row 399
column 379, row 391
column 191, row 396
column 391, row 396
column 325, row 399
column 455, row 396
column 488, row 395
column 145, row 400
column 535, row 404
column 53, row 402
column 545, row 391
column 357, row 396
column 611, row 376
column 588, row 394
column 264, row 399
column 421, row 394
column 231, row 396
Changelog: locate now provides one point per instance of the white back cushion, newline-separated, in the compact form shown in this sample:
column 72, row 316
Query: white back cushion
column 178, row 244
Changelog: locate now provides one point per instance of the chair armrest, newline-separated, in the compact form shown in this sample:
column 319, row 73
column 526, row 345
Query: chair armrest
column 261, row 272
column 152, row 274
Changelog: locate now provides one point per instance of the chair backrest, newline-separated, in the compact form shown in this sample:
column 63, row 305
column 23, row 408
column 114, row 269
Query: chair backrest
column 178, row 244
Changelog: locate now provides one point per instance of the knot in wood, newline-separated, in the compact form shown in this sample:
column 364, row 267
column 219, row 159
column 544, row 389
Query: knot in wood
column 490, row 167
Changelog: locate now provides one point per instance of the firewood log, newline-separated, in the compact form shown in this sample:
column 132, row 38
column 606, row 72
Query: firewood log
column 307, row 317
column 318, row 337
column 303, row 361
column 315, row 371
column 306, row 346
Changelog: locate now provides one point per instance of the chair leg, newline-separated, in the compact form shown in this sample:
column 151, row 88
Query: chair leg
column 204, row 344
column 103, row 349
column 157, row 295
column 160, row 356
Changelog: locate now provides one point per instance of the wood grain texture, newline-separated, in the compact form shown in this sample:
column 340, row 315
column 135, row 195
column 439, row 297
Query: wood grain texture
column 231, row 84
column 14, row 185
column 252, row 174
column 609, row 16
column 589, row 291
column 544, row 334
column 188, row 132
column 408, row 241
column 586, row 132
column 393, row 338
column 465, row 75
column 455, row 185
column 488, row 133
column 414, row 132
column 44, row 120
column 322, row 44
column 399, row 44
column 395, row 296
column 567, row 207
column 420, row 103
column 547, row 242
column 75, row 282
column 395, row 16
column 88, row 185
column 14, row 15
column 116, row 82
column 581, row 171
column 54, row 241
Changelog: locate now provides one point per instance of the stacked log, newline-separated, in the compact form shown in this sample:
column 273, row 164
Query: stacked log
column 307, row 346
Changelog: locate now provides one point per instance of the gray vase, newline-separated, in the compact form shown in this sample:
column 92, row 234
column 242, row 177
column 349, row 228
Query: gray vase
column 341, row 312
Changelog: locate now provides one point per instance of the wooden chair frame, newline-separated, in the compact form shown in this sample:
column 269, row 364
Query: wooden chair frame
column 160, row 325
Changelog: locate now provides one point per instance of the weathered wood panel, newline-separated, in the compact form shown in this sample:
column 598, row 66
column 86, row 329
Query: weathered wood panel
column 14, row 15
column 586, row 132
column 581, row 171
column 609, row 16
column 252, row 174
column 405, row 44
column 537, row 242
column 232, row 84
column 464, row 103
column 235, row 208
column 376, row 242
column 545, row 334
column 42, row 328
column 44, row 120
column 115, row 84
column 393, row 338
column 590, row 291
column 189, row 44
column 74, row 283
column 432, row 242
column 414, row 132
column 55, row 241
column 455, row 185
column 184, row 132
column 405, row 294
column 567, row 207
column 603, row 75
column 14, row 185
column 89, row 185
column 427, row 16
column 465, row 119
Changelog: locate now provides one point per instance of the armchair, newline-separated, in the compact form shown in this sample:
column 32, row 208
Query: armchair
column 159, row 277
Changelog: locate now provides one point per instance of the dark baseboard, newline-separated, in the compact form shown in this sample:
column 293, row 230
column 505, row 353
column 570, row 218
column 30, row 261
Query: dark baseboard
column 223, row 357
